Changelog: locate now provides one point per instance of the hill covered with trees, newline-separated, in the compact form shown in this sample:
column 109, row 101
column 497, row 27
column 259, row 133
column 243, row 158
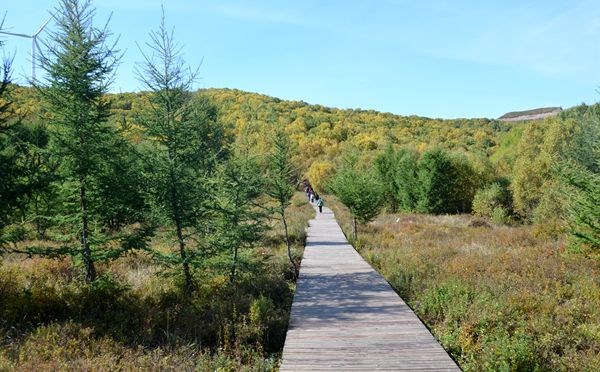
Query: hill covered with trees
column 502, row 170
column 323, row 135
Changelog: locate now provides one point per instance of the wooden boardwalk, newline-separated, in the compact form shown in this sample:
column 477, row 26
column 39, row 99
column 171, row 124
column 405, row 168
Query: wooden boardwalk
column 346, row 317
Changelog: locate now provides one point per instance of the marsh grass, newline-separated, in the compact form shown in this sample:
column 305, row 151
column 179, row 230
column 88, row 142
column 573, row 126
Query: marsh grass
column 496, row 297
column 134, row 317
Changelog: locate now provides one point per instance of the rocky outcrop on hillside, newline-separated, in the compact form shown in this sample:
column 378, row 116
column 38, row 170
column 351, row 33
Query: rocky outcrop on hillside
column 535, row 114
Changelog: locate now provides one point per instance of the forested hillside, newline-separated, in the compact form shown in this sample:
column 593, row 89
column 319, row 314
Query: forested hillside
column 321, row 133
column 501, row 170
column 322, row 136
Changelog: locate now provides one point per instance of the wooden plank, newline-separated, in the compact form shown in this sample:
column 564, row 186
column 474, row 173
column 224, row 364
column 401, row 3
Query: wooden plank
column 345, row 316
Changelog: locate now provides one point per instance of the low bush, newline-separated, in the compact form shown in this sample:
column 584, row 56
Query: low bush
column 493, row 202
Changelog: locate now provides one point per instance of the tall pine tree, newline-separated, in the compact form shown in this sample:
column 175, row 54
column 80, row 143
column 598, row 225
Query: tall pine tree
column 80, row 65
column 185, row 140
column 238, row 216
column 282, row 179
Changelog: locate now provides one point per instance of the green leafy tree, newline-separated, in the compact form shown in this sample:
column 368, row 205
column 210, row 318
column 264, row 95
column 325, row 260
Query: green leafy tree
column 184, row 141
column 386, row 165
column 571, row 137
column 405, row 177
column 80, row 65
column 531, row 170
column 437, row 177
column 360, row 191
column 282, row 180
column 239, row 218
column 494, row 202
column 467, row 181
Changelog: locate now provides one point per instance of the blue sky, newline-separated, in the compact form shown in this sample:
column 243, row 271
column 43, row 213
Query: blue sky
column 433, row 58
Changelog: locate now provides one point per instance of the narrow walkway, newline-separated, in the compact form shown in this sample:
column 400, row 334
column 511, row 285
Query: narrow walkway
column 345, row 316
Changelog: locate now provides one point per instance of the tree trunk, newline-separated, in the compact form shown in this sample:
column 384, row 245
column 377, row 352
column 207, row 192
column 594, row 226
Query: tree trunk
column 182, row 253
column 85, row 245
column 38, row 225
column 354, row 234
column 289, row 246
column 235, row 247
column 394, row 205
column 179, row 226
column 234, row 264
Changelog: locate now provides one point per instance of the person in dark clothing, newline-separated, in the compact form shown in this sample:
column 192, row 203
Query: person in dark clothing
column 320, row 204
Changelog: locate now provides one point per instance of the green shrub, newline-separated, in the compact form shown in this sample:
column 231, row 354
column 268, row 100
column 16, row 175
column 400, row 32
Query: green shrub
column 493, row 202
column 14, row 234
column 436, row 176
column 406, row 180
column 500, row 215
column 446, row 182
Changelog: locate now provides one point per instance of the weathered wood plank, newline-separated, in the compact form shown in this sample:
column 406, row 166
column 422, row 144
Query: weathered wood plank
column 345, row 316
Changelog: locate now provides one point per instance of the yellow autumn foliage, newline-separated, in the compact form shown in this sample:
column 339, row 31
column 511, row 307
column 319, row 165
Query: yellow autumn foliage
column 319, row 173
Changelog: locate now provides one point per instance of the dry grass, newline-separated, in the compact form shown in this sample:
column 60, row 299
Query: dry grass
column 133, row 318
column 497, row 297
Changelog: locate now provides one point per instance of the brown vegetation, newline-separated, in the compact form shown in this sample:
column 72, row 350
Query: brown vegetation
column 499, row 298
column 141, row 320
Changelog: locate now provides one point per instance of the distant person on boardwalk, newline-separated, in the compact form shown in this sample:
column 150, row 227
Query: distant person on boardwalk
column 320, row 204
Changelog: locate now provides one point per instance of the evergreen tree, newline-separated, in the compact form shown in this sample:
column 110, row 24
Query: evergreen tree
column 584, row 206
column 437, row 177
column 80, row 66
column 386, row 165
column 8, row 171
column 238, row 219
column 120, row 200
column 38, row 171
column 282, row 179
column 360, row 191
column 405, row 177
column 184, row 142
